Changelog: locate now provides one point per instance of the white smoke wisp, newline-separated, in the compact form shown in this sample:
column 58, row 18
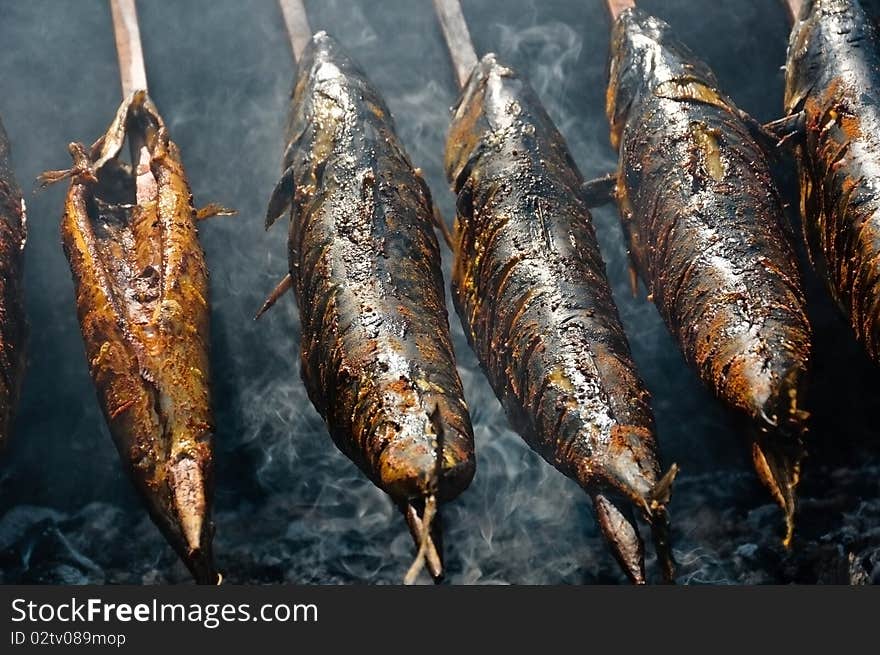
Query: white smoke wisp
column 552, row 50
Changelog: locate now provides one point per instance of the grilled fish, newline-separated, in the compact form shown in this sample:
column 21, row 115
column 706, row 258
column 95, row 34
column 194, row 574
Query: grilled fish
column 364, row 261
column 833, row 86
column 129, row 233
column 530, row 288
column 706, row 232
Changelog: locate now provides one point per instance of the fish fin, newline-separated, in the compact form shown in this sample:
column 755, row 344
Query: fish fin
column 48, row 178
column 599, row 191
column 661, row 493
column 86, row 162
column 280, row 289
column 775, row 135
column 658, row 497
column 786, row 127
column 779, row 468
column 439, row 223
column 444, row 230
column 214, row 209
column 619, row 527
column 282, row 197
column 82, row 169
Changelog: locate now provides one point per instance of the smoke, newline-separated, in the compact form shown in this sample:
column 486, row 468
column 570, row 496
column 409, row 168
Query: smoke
column 552, row 50
column 289, row 506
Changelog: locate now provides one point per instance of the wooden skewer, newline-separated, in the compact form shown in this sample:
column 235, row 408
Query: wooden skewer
column 132, row 72
column 298, row 29
column 794, row 8
column 429, row 554
column 458, row 38
column 617, row 7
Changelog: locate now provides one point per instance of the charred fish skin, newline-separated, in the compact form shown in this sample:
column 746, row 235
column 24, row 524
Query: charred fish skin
column 705, row 227
column 530, row 288
column 833, row 77
column 13, row 232
column 142, row 299
column 376, row 349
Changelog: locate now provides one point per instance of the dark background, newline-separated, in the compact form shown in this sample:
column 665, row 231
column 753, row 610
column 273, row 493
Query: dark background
column 289, row 507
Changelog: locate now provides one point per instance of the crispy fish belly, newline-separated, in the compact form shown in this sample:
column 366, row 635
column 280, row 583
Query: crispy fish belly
column 141, row 295
column 364, row 260
column 529, row 285
column 13, row 232
column 706, row 232
column 833, row 76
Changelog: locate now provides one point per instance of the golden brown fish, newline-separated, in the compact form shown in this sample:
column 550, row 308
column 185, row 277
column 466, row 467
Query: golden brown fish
column 129, row 232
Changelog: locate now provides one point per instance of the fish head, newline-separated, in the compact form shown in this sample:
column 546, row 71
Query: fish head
column 645, row 54
column 468, row 123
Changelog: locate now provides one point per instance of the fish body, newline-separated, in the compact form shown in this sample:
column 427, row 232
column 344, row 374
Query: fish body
column 833, row 77
column 530, row 288
column 706, row 232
